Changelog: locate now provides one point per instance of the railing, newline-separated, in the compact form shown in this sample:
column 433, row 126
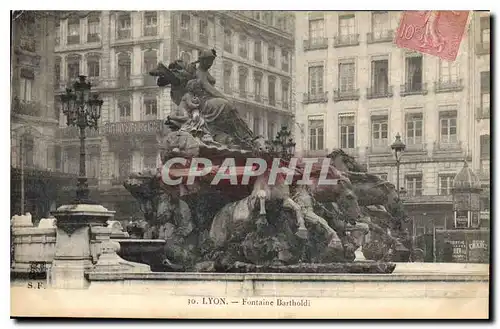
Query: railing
column 380, row 146
column 124, row 34
column 315, row 98
column 149, row 80
column 28, row 44
column 150, row 31
column 346, row 40
column 185, row 34
column 118, row 181
column 413, row 89
column 203, row 38
column 93, row 37
column 285, row 67
column 243, row 93
column 450, row 144
column 286, row 106
column 33, row 109
column 483, row 48
column 243, row 53
column 74, row 132
column 315, row 43
column 382, row 36
column 345, row 95
column 272, row 101
column 448, row 86
column 483, row 112
column 258, row 57
column 258, row 98
column 379, row 92
column 132, row 127
column 123, row 82
column 73, row 39
column 271, row 61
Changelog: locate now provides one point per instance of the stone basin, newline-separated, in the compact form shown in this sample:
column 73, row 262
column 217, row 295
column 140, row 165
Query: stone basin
column 146, row 251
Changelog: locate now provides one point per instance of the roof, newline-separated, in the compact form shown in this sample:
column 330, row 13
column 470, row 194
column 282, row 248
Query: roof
column 466, row 179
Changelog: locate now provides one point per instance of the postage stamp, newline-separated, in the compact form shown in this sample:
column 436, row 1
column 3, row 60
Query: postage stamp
column 437, row 33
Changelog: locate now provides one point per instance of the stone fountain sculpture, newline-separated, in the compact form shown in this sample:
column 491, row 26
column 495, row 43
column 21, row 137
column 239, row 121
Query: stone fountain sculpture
column 255, row 227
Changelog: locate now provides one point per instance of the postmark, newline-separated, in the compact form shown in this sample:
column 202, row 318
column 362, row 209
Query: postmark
column 432, row 32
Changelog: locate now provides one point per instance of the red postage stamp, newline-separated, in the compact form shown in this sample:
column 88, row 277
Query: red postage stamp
column 437, row 33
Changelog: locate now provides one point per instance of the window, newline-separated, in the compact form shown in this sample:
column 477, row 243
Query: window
column 485, row 30
column 243, row 46
column 58, row 33
column 380, row 24
column 185, row 26
column 414, row 128
column 228, row 40
column 185, row 56
column 485, row 204
column 93, row 165
column 227, row 79
column 271, row 90
column 124, row 69
column 380, row 76
column 73, row 31
column 316, row 30
column 347, row 73
column 124, row 109
column 449, row 71
column 203, row 31
column 484, row 141
column 150, row 23
column 26, row 82
column 256, row 15
column 285, row 61
column 270, row 132
column 150, row 107
column 346, row 128
column 57, row 72
column 445, row 184
column 268, row 18
column 124, row 164
column 93, row 66
column 271, row 56
column 448, row 126
column 73, row 66
column 150, row 161
column 346, row 28
column 379, row 131
column 124, row 27
column 257, row 86
column 316, row 134
column 243, row 83
column 150, row 61
column 58, row 157
column 316, row 80
column 256, row 125
column 285, row 94
column 258, row 51
column 28, row 151
column 414, row 76
column 94, row 29
column 414, row 185
column 485, row 93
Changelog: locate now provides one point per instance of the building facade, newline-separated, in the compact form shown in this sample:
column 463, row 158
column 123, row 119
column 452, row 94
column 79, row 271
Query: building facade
column 359, row 90
column 36, row 168
column 117, row 49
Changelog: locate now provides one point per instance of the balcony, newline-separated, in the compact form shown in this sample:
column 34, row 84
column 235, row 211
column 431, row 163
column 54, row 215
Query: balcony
column 315, row 98
column 345, row 95
column 448, row 86
column 242, row 94
column 346, row 40
column 243, row 53
column 150, row 127
column 123, row 82
column 483, row 112
column 271, row 61
column 380, row 36
column 74, row 133
column 448, row 144
column 272, row 101
column 316, row 153
column 483, row 48
column 185, row 34
column 93, row 37
column 380, row 147
column 258, row 98
column 33, row 109
column 379, row 92
column 73, row 39
column 203, row 38
column 427, row 199
column 315, row 43
column 408, row 89
column 150, row 31
column 257, row 57
column 285, row 67
column 148, row 80
column 124, row 34
column 28, row 44
column 118, row 181
column 285, row 106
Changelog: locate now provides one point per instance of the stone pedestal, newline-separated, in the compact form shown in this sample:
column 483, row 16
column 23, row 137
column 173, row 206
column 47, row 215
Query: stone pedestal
column 73, row 257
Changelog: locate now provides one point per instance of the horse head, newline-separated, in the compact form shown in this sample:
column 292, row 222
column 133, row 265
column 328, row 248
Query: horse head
column 394, row 204
column 347, row 201
column 345, row 162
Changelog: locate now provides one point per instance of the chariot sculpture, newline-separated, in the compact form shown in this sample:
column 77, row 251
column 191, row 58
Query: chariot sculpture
column 255, row 223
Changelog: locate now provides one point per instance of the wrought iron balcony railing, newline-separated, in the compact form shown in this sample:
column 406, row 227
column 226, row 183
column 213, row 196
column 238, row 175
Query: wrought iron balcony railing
column 257, row 98
column 123, row 82
column 93, row 37
column 148, row 80
column 185, row 34
column 346, row 40
column 413, row 89
column 310, row 98
column 132, row 127
column 345, row 95
column 448, row 86
column 483, row 112
column 203, row 38
column 33, row 109
column 74, row 132
column 380, row 36
column 315, row 43
column 379, row 92
column 271, row 61
column 150, row 31
column 483, row 48
column 124, row 34
column 28, row 44
column 73, row 39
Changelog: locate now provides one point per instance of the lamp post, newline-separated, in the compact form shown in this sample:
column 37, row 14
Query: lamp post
column 82, row 109
column 283, row 145
column 398, row 147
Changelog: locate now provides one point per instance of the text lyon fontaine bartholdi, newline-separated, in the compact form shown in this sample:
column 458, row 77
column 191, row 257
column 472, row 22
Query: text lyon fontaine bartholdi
column 253, row 167
column 272, row 302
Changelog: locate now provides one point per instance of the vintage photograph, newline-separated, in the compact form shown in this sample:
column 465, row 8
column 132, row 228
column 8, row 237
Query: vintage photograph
column 250, row 164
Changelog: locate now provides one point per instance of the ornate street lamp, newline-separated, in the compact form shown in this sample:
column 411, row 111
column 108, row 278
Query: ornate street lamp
column 283, row 145
column 398, row 147
column 82, row 109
